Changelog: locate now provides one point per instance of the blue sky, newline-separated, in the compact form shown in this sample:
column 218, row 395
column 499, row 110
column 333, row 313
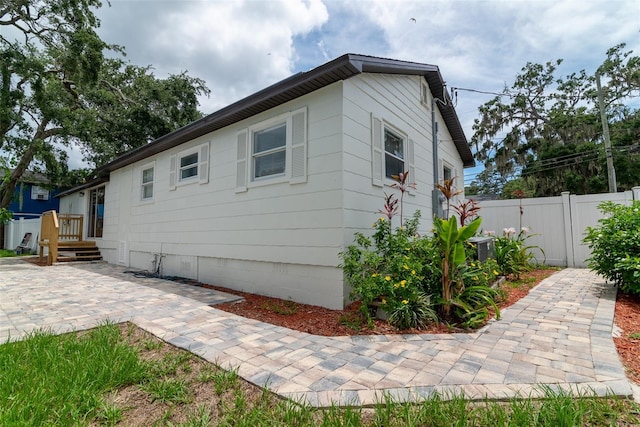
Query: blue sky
column 239, row 47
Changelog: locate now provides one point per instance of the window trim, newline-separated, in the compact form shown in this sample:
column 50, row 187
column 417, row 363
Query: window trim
column 39, row 193
column 295, row 149
column 425, row 92
column 378, row 152
column 151, row 183
column 447, row 166
column 202, row 164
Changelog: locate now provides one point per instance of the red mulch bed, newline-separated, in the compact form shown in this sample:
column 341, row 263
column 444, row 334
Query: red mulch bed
column 323, row 321
column 628, row 344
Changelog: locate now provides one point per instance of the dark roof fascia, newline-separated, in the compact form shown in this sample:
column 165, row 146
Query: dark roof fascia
column 298, row 85
column 91, row 183
column 439, row 91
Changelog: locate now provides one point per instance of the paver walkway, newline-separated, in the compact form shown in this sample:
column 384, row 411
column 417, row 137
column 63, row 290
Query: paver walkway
column 559, row 335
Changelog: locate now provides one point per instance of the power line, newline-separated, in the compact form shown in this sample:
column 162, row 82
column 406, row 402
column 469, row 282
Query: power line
column 558, row 162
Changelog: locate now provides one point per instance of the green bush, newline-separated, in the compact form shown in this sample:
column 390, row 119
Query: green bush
column 476, row 273
column 387, row 268
column 415, row 313
column 513, row 255
column 409, row 276
column 615, row 245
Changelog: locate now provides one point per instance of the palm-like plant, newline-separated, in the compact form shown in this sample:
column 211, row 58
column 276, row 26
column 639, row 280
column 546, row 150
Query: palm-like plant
column 402, row 183
column 451, row 239
column 449, row 192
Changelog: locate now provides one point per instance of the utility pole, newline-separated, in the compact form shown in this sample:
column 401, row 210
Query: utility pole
column 611, row 172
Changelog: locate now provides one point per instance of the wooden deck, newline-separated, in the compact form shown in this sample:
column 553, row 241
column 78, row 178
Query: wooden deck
column 61, row 234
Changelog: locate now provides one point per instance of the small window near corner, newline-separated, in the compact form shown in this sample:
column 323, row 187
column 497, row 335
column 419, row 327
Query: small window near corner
column 447, row 173
column 393, row 153
column 424, row 93
column 147, row 183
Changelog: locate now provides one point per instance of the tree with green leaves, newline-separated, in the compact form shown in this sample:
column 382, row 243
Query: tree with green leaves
column 58, row 88
column 547, row 131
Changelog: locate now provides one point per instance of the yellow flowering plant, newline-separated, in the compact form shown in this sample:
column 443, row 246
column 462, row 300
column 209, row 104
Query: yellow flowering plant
column 389, row 269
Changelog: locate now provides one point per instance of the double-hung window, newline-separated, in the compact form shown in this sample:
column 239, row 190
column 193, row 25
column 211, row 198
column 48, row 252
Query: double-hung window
column 393, row 153
column 269, row 151
column 147, row 182
column 273, row 151
column 447, row 173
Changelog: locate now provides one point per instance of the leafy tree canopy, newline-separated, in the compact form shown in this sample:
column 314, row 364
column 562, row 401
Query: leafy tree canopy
column 546, row 130
column 57, row 88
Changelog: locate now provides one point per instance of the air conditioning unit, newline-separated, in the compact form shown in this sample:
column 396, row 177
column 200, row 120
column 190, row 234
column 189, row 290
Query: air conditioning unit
column 485, row 247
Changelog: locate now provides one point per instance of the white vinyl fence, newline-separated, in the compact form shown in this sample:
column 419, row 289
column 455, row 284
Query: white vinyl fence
column 15, row 230
column 557, row 223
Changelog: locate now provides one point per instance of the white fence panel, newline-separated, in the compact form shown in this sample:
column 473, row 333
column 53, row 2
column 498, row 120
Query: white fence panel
column 558, row 223
column 15, row 230
column 585, row 213
column 543, row 216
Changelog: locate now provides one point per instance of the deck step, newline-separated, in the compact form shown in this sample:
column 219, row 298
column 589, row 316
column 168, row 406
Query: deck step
column 79, row 253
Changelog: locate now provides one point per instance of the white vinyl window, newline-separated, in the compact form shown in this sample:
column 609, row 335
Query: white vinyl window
column 393, row 153
column 273, row 151
column 447, row 173
column 39, row 193
column 147, row 178
column 269, row 151
column 189, row 166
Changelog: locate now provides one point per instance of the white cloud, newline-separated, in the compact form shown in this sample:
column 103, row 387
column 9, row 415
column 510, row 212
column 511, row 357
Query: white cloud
column 236, row 47
column 243, row 46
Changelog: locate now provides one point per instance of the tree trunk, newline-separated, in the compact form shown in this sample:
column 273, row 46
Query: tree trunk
column 7, row 189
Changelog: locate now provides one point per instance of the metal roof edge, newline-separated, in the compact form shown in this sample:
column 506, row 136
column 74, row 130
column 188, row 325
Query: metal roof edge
column 292, row 87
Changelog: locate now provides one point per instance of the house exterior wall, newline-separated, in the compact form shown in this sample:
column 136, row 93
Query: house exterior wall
column 396, row 101
column 275, row 238
column 74, row 203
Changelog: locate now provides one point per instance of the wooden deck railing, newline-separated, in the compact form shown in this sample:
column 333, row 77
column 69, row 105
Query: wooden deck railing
column 71, row 227
column 55, row 228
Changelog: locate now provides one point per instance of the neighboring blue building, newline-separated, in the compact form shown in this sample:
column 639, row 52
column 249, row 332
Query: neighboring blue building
column 32, row 197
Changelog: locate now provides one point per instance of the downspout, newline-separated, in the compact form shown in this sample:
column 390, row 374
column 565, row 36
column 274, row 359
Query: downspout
column 435, row 193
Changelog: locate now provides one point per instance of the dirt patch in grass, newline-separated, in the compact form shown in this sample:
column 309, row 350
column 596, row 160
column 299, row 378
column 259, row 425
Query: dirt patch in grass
column 208, row 389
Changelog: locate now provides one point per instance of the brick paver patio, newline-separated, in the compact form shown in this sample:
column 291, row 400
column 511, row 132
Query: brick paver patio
column 560, row 335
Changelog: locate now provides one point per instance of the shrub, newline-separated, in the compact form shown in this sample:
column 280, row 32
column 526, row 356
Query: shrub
column 414, row 313
column 407, row 275
column 477, row 273
column 615, row 245
column 513, row 255
column 387, row 268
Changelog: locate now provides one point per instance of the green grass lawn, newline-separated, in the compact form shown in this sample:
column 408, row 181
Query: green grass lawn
column 4, row 253
column 118, row 374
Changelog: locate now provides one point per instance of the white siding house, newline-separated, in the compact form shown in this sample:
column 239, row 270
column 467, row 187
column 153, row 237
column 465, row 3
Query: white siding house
column 263, row 195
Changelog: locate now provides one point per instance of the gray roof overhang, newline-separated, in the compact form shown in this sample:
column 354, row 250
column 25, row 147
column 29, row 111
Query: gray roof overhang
column 300, row 84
